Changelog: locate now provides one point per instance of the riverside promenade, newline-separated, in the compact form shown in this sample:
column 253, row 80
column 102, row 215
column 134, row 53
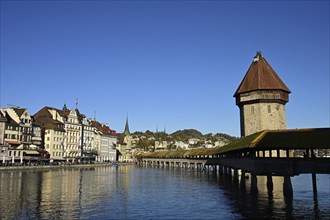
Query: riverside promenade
column 65, row 166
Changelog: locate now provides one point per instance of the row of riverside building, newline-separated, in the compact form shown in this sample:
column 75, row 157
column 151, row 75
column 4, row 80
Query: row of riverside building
column 54, row 136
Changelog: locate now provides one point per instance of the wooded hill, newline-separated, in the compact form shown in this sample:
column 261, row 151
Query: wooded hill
column 184, row 135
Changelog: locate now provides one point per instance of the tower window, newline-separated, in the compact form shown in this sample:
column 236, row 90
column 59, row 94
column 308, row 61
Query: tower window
column 269, row 109
column 252, row 109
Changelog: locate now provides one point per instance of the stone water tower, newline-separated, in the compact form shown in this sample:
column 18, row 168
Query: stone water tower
column 261, row 98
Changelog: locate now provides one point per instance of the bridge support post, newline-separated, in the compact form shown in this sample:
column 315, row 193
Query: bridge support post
column 235, row 175
column 220, row 170
column 242, row 179
column 229, row 171
column 287, row 186
column 254, row 183
column 314, row 184
column 270, row 183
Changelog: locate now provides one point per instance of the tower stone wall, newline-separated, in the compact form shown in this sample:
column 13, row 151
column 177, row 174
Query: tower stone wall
column 262, row 116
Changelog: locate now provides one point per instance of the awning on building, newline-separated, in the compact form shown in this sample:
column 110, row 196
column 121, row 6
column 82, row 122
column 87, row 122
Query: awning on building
column 31, row 152
column 11, row 141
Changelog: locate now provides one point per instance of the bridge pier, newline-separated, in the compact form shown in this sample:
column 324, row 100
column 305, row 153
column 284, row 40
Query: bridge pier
column 235, row 175
column 220, row 170
column 287, row 186
column 228, row 171
column 270, row 183
column 254, row 183
column 314, row 184
column 242, row 183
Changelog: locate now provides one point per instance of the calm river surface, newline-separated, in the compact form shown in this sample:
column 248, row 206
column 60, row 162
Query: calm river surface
column 131, row 192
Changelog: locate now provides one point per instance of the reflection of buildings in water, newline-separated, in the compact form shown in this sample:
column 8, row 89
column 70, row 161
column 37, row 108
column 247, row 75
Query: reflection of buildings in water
column 58, row 187
column 10, row 193
column 20, row 193
column 31, row 188
column 74, row 191
column 63, row 193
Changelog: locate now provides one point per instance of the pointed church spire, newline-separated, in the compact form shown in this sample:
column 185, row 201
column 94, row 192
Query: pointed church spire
column 126, row 131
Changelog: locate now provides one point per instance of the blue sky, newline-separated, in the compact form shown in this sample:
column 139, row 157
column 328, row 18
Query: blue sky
column 173, row 64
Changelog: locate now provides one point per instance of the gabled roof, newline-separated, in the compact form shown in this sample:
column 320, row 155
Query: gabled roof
column 19, row 111
column 260, row 76
column 2, row 115
column 11, row 121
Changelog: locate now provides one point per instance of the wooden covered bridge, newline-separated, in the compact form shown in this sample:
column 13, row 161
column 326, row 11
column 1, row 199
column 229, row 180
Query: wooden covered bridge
column 267, row 153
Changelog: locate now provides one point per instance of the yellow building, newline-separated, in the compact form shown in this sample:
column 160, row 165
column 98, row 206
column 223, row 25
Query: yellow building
column 53, row 132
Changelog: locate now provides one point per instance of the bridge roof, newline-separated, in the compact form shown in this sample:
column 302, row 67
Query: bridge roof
column 288, row 139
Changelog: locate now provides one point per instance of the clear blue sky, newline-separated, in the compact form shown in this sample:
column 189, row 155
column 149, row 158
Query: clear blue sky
column 164, row 63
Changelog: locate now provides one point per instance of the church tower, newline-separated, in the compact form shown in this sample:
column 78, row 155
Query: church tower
column 261, row 98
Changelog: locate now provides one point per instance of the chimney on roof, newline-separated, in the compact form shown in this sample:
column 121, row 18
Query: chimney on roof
column 257, row 57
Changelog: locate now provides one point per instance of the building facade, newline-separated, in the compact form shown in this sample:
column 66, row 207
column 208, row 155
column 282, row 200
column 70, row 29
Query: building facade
column 36, row 136
column 261, row 98
column 54, row 135
column 2, row 126
column 73, row 136
column 88, row 148
column 21, row 129
column 3, row 145
column 106, row 141
column 52, row 132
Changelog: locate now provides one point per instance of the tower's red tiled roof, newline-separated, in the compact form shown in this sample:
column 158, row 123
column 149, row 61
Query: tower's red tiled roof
column 261, row 76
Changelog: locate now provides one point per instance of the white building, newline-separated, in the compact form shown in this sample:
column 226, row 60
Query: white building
column 73, row 136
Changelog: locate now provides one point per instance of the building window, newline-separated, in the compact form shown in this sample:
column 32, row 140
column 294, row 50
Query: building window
column 269, row 109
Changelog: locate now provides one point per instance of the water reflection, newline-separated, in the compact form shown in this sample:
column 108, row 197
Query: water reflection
column 273, row 204
column 129, row 192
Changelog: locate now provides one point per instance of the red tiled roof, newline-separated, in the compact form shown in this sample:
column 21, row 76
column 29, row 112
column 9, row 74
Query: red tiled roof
column 261, row 76
column 103, row 128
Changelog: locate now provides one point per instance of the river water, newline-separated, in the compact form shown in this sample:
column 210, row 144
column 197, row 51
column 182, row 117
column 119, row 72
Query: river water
column 131, row 192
